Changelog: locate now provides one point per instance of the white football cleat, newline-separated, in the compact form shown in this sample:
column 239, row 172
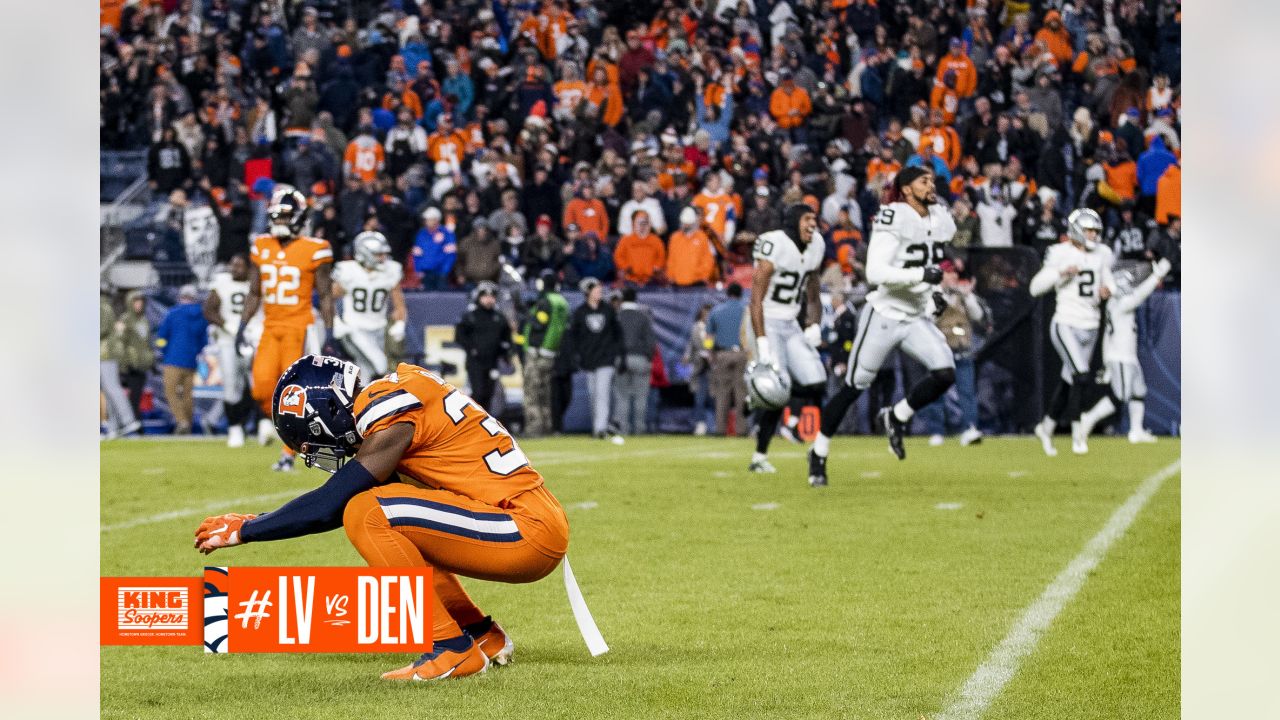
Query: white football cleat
column 235, row 436
column 1141, row 436
column 1046, row 439
column 266, row 432
column 761, row 466
column 936, row 440
column 700, row 429
column 1079, row 441
column 972, row 436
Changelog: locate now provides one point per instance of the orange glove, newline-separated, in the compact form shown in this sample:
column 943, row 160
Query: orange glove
column 220, row 531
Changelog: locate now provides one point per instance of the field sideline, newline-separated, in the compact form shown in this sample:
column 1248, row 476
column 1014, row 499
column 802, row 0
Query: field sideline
column 722, row 594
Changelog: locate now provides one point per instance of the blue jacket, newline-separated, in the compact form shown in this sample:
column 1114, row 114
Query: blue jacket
column 1152, row 164
column 461, row 87
column 724, row 323
column 435, row 252
column 718, row 130
column 182, row 335
column 940, row 168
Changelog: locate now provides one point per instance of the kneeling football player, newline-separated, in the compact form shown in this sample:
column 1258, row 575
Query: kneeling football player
column 421, row 476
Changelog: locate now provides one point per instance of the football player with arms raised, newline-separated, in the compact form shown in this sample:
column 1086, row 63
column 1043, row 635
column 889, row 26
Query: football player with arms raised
column 908, row 242
column 1079, row 274
column 366, row 286
column 422, row 476
column 784, row 282
column 286, row 266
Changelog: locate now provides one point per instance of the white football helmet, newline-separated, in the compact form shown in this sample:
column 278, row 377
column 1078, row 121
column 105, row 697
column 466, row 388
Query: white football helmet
column 767, row 388
column 370, row 249
column 1084, row 227
column 287, row 211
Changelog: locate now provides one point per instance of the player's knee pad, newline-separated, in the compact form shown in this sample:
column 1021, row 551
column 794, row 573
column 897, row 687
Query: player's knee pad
column 946, row 377
column 1080, row 379
column 862, row 378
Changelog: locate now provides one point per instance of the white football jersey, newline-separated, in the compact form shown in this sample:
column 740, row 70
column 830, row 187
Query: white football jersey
column 1078, row 298
column 902, row 244
column 791, row 270
column 231, row 296
column 365, row 293
column 1120, row 344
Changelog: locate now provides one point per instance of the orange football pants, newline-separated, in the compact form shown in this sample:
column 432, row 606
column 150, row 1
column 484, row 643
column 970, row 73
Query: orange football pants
column 279, row 347
column 401, row 525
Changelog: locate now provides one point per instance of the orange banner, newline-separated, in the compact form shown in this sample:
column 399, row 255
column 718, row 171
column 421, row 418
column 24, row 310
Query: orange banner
column 317, row 609
column 149, row 611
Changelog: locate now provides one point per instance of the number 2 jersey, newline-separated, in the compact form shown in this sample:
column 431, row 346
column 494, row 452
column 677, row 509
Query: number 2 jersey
column 288, row 275
column 365, row 292
column 902, row 244
column 791, row 269
column 1077, row 297
column 456, row 445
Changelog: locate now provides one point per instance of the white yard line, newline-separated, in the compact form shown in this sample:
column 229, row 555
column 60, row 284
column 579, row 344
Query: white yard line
column 241, row 503
column 986, row 683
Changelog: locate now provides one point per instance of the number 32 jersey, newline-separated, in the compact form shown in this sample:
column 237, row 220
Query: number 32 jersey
column 791, row 270
column 902, row 244
column 456, row 445
column 365, row 292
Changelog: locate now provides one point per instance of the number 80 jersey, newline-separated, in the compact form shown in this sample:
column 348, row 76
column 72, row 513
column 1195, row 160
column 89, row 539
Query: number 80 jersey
column 791, row 270
column 365, row 292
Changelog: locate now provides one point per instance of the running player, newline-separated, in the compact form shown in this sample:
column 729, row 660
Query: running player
column 784, row 282
column 422, row 476
column 223, row 307
column 1079, row 272
column 286, row 266
column 908, row 241
column 367, row 285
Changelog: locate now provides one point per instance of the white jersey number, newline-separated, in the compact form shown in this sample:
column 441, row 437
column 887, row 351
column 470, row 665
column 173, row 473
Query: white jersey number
column 499, row 463
column 280, row 284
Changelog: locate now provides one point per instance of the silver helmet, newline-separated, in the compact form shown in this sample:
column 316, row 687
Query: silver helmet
column 1080, row 221
column 767, row 388
column 370, row 249
column 287, row 211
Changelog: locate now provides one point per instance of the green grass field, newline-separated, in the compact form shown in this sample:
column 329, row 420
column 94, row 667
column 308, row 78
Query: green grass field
column 721, row 594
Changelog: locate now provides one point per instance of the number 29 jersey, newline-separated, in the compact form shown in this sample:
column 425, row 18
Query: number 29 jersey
column 456, row 445
column 904, row 240
column 365, row 292
column 791, row 270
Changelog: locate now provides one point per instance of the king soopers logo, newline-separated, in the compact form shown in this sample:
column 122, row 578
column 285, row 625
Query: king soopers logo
column 151, row 608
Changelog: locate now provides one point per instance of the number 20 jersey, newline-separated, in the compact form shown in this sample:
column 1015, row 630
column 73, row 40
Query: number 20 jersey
column 365, row 292
column 908, row 241
column 791, row 269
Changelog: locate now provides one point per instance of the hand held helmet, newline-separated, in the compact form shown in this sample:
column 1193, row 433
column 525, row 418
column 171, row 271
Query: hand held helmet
column 767, row 388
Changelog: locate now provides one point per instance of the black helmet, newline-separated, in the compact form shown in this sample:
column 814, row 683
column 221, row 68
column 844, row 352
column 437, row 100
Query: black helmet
column 548, row 281
column 312, row 409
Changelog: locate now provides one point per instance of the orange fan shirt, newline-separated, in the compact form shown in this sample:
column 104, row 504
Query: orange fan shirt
column 451, row 147
column 288, row 275
column 364, row 158
column 717, row 210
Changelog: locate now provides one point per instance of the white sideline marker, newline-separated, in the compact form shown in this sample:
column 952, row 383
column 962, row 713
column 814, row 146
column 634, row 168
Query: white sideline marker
column 948, row 506
column 766, row 506
column 586, row 623
column 978, row 692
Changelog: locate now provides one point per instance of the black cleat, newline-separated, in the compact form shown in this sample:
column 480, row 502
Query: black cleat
column 817, row 470
column 894, row 429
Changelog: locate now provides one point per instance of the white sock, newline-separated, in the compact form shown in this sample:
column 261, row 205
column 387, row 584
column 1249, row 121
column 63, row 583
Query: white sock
column 821, row 445
column 1137, row 408
column 758, row 457
column 1100, row 410
column 793, row 421
column 1049, row 424
column 903, row 411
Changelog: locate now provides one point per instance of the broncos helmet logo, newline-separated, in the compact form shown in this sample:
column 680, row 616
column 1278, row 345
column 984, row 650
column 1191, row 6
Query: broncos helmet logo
column 293, row 401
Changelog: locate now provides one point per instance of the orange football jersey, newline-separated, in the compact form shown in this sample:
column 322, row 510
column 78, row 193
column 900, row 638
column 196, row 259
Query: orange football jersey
column 288, row 275
column 456, row 445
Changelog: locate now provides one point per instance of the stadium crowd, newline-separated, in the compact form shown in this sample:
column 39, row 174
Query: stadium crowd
column 645, row 143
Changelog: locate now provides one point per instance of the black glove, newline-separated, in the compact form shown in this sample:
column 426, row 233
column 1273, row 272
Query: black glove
column 939, row 304
column 933, row 274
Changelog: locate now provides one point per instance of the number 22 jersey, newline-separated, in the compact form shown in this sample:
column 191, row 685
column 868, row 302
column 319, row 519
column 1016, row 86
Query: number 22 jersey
column 288, row 274
column 902, row 244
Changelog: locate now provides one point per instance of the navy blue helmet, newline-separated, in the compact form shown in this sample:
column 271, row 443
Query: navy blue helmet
column 312, row 410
